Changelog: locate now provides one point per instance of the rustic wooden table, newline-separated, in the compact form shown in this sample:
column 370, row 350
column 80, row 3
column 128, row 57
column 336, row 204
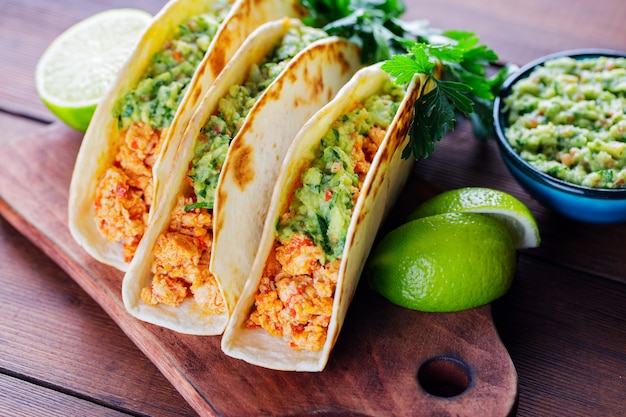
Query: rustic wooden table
column 563, row 321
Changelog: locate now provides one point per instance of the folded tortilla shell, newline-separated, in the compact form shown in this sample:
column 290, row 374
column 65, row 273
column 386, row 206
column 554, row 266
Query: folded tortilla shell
column 100, row 144
column 308, row 82
column 382, row 184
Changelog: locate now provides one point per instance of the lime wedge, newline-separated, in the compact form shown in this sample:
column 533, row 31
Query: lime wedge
column 78, row 67
column 511, row 212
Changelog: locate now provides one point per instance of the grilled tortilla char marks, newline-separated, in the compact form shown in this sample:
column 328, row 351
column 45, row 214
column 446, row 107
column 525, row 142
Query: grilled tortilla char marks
column 124, row 193
column 218, row 56
column 240, row 151
column 242, row 158
column 198, row 92
column 295, row 296
column 182, row 253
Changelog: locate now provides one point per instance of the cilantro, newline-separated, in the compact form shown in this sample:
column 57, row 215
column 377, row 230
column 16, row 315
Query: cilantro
column 410, row 48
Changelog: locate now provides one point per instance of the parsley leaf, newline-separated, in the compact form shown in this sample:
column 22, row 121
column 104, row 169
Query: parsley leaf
column 404, row 68
column 434, row 116
column 456, row 93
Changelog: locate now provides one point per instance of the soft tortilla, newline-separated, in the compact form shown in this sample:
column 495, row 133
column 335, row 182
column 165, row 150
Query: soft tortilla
column 386, row 177
column 99, row 145
column 308, row 82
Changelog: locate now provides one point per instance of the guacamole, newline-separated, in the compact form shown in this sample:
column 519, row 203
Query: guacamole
column 159, row 92
column 568, row 119
column 322, row 206
column 221, row 127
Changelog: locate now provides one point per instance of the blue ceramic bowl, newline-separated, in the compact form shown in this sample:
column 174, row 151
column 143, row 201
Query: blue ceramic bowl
column 590, row 205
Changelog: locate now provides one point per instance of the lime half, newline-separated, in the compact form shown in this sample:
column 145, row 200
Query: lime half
column 507, row 209
column 79, row 66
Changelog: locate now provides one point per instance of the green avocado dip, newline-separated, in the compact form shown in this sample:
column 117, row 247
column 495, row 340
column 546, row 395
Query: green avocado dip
column 160, row 90
column 220, row 129
column 568, row 119
column 322, row 205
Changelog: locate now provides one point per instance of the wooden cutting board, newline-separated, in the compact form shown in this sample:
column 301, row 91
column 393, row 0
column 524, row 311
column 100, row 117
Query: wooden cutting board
column 388, row 361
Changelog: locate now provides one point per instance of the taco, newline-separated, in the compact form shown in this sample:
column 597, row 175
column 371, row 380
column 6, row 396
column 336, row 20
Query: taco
column 120, row 166
column 339, row 178
column 212, row 215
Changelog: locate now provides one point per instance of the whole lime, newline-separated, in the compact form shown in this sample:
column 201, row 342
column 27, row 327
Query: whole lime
column 443, row 263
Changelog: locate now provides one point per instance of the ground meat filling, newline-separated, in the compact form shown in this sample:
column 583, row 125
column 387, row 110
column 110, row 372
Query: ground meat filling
column 296, row 294
column 124, row 194
column 295, row 298
column 181, row 261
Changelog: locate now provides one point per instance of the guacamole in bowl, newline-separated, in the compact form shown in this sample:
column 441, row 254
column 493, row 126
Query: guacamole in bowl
column 561, row 127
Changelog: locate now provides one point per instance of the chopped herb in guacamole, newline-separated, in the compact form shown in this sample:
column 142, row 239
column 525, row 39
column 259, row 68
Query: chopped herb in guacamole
column 221, row 127
column 322, row 206
column 160, row 90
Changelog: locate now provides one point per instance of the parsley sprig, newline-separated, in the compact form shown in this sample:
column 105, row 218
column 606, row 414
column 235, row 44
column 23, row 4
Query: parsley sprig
column 464, row 87
column 410, row 48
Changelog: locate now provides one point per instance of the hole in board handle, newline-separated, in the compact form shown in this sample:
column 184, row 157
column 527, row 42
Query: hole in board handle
column 443, row 376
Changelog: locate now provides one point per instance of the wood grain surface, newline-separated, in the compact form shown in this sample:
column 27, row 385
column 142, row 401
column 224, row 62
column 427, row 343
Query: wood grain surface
column 373, row 369
column 563, row 322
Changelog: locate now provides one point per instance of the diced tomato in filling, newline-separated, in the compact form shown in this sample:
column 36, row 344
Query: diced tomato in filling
column 329, row 195
column 124, row 193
